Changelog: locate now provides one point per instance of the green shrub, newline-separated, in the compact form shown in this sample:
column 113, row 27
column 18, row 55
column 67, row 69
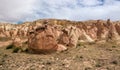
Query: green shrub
column 114, row 62
column 88, row 68
column 98, row 65
column 26, row 50
column 79, row 44
column 25, row 42
column 16, row 50
column 114, row 46
column 9, row 46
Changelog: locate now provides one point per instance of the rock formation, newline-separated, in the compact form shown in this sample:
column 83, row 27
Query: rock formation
column 58, row 35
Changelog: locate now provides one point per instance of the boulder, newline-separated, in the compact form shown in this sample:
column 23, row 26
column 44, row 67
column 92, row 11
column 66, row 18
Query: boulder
column 43, row 40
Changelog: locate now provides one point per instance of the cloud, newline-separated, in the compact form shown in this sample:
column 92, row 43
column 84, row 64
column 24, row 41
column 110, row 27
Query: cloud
column 15, row 10
column 91, row 2
column 80, row 9
column 28, row 10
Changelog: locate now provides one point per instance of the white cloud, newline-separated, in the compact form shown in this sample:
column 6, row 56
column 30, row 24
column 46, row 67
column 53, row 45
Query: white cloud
column 90, row 2
column 15, row 10
column 74, row 9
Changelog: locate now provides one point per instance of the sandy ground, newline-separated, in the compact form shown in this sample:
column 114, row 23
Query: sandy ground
column 105, row 56
column 5, row 43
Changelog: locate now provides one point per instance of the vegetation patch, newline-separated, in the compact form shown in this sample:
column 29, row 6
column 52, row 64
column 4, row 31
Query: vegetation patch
column 16, row 50
column 114, row 62
column 26, row 42
column 79, row 44
column 98, row 65
column 10, row 46
column 113, row 46
column 26, row 50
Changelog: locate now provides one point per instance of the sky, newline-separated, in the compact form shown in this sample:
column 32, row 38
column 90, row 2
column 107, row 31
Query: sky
column 28, row 10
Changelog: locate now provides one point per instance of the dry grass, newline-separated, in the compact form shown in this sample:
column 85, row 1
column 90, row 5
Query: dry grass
column 86, row 57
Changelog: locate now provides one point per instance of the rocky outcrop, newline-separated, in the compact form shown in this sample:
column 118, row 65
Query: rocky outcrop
column 44, row 39
column 73, row 36
column 17, row 42
column 52, row 34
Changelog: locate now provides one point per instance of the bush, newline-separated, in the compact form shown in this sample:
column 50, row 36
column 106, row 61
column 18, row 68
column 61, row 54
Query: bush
column 16, row 50
column 88, row 68
column 26, row 50
column 98, row 64
column 79, row 44
column 114, row 46
column 9, row 46
column 114, row 62
column 26, row 42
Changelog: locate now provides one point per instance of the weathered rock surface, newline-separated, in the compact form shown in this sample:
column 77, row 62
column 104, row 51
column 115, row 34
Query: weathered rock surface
column 47, row 34
column 16, row 42
column 43, row 39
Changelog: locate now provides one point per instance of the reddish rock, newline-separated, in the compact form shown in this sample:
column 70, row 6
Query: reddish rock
column 48, row 34
column 64, row 38
column 16, row 42
column 43, row 40
column 117, row 26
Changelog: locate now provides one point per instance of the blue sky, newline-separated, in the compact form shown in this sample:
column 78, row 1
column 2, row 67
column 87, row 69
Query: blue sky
column 29, row 10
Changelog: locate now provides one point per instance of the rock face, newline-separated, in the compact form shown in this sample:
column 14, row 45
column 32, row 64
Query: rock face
column 52, row 35
column 43, row 40
column 16, row 42
column 73, row 34
column 64, row 38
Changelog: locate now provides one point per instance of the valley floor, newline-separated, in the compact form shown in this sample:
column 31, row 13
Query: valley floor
column 105, row 56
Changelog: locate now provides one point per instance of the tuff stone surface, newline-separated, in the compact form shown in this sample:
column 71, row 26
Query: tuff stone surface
column 65, row 32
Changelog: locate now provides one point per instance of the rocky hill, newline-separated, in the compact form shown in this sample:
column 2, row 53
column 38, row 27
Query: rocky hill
column 92, row 30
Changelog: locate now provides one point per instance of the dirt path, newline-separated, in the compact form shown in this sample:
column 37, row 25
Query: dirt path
column 2, row 44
